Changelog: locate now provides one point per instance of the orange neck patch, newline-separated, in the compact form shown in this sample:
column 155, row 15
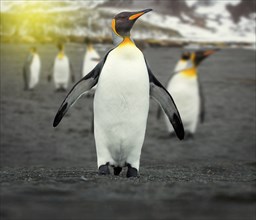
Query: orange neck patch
column 89, row 48
column 60, row 55
column 126, row 41
column 191, row 72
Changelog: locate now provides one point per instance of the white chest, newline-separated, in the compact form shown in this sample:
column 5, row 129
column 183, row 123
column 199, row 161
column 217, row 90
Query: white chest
column 35, row 65
column 122, row 96
column 124, row 81
column 61, row 69
column 183, row 86
column 185, row 93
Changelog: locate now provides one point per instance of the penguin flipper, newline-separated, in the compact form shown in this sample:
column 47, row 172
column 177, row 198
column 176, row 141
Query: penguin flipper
column 162, row 96
column 26, row 71
column 25, row 77
column 81, row 87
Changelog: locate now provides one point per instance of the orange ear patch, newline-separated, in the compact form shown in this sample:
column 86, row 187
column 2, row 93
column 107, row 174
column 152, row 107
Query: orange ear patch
column 113, row 25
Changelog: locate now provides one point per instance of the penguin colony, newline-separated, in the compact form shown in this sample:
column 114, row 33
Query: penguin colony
column 124, row 83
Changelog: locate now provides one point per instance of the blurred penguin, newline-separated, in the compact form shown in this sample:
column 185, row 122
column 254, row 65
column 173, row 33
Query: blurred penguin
column 91, row 58
column 31, row 69
column 187, row 91
column 62, row 70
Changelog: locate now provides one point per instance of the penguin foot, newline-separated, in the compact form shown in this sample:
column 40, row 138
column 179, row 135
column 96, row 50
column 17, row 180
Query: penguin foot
column 61, row 89
column 189, row 136
column 104, row 170
column 30, row 89
column 117, row 170
column 131, row 172
column 172, row 135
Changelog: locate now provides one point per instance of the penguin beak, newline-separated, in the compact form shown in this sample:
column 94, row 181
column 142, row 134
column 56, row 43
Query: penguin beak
column 209, row 52
column 201, row 55
column 137, row 14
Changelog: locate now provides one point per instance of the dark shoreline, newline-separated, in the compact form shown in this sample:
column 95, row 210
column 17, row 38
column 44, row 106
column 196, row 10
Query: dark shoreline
column 107, row 40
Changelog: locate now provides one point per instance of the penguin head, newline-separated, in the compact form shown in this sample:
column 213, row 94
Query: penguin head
column 185, row 62
column 33, row 50
column 190, row 60
column 88, row 43
column 60, row 46
column 123, row 22
column 61, row 51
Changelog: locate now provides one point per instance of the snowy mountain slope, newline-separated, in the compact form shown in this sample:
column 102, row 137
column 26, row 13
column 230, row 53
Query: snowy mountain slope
column 186, row 20
column 201, row 20
column 56, row 19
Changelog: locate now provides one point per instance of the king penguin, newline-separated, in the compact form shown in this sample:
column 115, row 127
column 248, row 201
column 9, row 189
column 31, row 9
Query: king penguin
column 31, row 69
column 62, row 70
column 125, row 83
column 187, row 91
column 91, row 59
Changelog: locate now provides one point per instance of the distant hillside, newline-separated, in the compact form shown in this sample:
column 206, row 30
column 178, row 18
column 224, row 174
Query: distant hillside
column 200, row 20
column 48, row 21
column 180, row 21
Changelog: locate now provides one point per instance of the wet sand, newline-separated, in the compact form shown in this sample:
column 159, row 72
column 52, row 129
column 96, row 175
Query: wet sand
column 49, row 173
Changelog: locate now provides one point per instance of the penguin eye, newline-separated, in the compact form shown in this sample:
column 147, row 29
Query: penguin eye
column 122, row 17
